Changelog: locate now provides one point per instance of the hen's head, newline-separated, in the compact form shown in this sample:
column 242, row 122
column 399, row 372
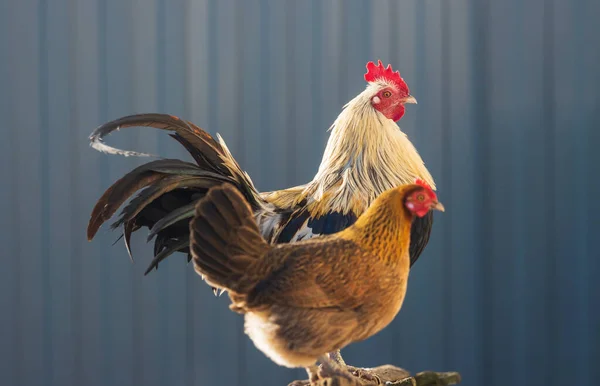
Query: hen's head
column 389, row 93
column 422, row 199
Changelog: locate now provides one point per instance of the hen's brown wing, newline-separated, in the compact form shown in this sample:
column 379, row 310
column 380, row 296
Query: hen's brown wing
column 321, row 273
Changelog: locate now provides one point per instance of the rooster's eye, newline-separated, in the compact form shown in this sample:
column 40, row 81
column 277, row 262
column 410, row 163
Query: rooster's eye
column 387, row 94
column 420, row 197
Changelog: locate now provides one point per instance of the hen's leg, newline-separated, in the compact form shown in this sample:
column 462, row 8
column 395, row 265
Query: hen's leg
column 367, row 375
column 332, row 373
column 336, row 356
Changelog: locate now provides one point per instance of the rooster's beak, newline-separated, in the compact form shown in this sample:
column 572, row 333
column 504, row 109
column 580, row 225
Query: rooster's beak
column 410, row 99
column 438, row 205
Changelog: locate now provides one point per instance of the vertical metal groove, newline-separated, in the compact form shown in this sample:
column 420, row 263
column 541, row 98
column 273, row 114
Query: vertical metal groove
column 13, row 138
column 241, row 151
column 481, row 83
column 447, row 180
column 290, row 87
column 264, row 93
column 344, row 44
column 394, row 29
column 419, row 61
column 190, row 351
column 316, row 81
column 105, row 285
column 161, row 62
column 518, row 270
column 239, row 66
column 213, row 67
column 368, row 28
column 550, row 179
column 582, row 212
column 161, row 95
column 138, row 366
column 593, row 219
column 45, row 187
column 74, row 185
column 8, row 293
column 395, row 58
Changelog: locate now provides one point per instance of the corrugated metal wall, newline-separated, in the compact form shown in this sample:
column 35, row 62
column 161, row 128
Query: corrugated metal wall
column 508, row 121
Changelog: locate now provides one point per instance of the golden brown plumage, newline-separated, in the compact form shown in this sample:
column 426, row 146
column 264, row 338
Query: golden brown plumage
column 306, row 299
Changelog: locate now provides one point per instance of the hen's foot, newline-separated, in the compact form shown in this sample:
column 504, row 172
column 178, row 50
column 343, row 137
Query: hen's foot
column 332, row 374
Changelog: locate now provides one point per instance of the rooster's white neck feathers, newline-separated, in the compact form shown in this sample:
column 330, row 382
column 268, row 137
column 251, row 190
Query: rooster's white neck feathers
column 366, row 155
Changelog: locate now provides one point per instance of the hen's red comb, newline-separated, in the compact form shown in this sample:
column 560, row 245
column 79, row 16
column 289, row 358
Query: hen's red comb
column 379, row 72
column 424, row 184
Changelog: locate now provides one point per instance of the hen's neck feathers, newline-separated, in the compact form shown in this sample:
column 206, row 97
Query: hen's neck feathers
column 385, row 226
column 366, row 155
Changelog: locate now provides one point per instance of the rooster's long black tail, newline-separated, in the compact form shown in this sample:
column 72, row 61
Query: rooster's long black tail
column 168, row 188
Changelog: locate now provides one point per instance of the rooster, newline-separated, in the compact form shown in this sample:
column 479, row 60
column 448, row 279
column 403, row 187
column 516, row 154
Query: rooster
column 366, row 154
column 295, row 309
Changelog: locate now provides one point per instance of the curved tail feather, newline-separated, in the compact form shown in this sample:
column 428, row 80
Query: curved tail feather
column 168, row 188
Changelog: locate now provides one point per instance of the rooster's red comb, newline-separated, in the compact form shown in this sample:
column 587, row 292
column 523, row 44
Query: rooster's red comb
column 424, row 184
column 380, row 72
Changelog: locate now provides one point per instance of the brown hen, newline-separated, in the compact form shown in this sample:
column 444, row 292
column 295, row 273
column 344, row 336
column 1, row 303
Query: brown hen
column 306, row 299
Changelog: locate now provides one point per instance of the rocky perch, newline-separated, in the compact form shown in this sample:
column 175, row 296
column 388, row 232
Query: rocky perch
column 387, row 375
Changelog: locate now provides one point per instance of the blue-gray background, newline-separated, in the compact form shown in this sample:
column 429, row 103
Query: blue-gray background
column 507, row 291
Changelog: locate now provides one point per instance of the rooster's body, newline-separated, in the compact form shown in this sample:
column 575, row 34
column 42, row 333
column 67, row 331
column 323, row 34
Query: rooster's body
column 366, row 154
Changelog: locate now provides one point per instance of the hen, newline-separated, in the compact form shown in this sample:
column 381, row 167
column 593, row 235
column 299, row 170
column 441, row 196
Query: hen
column 306, row 299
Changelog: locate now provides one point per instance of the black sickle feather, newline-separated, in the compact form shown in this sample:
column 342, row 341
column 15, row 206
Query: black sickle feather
column 170, row 248
column 128, row 229
column 126, row 186
column 192, row 134
column 203, row 161
column 159, row 243
column 186, row 211
column 154, row 191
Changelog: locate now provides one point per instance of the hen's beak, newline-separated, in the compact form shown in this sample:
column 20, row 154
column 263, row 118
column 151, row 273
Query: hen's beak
column 409, row 99
column 438, row 205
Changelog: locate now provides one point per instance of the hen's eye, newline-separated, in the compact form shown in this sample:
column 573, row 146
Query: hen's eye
column 387, row 94
column 420, row 197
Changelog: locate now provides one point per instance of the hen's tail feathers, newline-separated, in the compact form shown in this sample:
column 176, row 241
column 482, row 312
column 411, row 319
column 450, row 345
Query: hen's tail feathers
column 225, row 240
column 169, row 188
